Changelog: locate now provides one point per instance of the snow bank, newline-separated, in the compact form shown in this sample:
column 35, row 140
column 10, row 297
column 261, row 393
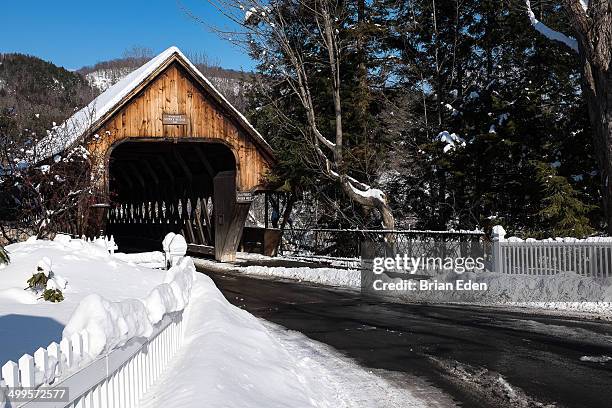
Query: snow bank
column 324, row 276
column 229, row 354
column 113, row 324
column 108, row 324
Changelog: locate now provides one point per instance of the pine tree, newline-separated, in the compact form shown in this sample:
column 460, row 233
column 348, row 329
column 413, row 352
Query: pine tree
column 563, row 213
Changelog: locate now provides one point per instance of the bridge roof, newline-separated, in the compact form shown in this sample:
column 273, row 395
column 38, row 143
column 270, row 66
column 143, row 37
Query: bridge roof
column 87, row 120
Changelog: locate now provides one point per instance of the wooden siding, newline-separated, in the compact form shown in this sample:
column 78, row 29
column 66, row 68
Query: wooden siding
column 174, row 92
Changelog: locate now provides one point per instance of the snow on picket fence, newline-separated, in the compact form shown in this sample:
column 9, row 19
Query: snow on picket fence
column 586, row 257
column 117, row 379
column 111, row 352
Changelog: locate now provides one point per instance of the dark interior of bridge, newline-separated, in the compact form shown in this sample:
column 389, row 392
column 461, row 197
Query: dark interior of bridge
column 158, row 187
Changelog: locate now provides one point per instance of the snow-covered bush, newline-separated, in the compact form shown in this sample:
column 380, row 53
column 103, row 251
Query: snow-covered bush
column 46, row 281
column 53, row 295
column 38, row 281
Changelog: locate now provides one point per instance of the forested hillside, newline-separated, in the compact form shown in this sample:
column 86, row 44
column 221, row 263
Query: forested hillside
column 35, row 93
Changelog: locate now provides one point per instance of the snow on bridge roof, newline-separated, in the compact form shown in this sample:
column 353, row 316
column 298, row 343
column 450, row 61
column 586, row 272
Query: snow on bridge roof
column 97, row 111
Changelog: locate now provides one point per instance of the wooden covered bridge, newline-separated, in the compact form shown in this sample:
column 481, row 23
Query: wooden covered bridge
column 170, row 153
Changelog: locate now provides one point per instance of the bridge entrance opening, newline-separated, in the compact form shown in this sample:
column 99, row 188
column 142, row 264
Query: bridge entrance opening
column 157, row 187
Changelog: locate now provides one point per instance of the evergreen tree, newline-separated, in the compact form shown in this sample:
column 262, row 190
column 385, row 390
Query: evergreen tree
column 563, row 213
column 483, row 77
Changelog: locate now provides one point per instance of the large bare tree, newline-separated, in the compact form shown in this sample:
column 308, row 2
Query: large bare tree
column 263, row 25
column 591, row 23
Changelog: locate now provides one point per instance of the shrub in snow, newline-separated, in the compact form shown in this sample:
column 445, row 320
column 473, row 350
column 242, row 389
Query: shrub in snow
column 56, row 282
column 38, row 281
column 45, row 280
column 53, row 295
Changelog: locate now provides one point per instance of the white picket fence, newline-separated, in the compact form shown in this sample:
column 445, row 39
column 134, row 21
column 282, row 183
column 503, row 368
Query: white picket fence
column 590, row 257
column 115, row 380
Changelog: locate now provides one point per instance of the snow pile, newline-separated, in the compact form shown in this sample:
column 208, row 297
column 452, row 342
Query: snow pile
column 229, row 354
column 108, row 324
column 113, row 324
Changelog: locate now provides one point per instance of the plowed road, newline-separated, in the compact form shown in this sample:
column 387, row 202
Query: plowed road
column 481, row 357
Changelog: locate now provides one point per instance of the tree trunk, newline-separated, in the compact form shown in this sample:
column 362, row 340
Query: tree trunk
column 286, row 215
column 598, row 92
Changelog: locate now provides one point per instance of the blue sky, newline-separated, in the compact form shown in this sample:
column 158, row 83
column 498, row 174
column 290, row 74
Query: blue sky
column 73, row 33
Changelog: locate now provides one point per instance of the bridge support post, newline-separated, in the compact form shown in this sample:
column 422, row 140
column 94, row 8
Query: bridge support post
column 229, row 216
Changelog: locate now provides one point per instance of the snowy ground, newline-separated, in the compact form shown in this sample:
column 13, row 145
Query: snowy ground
column 232, row 359
column 27, row 322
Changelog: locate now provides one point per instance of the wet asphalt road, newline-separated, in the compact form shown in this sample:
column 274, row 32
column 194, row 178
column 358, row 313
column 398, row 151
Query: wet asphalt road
column 447, row 345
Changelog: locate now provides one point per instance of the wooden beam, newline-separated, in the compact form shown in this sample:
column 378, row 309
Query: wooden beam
column 227, row 244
